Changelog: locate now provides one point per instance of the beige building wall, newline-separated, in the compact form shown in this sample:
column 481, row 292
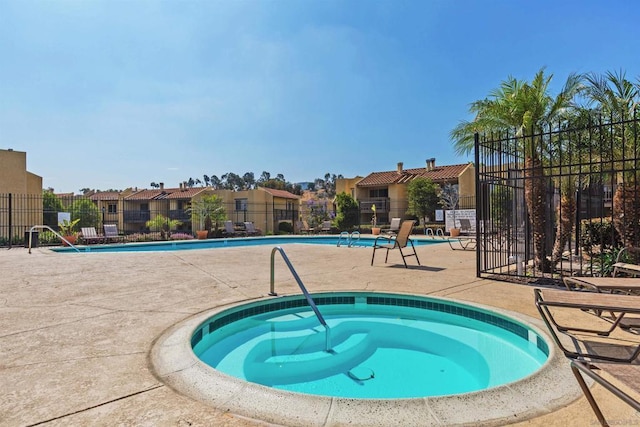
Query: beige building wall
column 25, row 189
column 398, row 200
column 467, row 182
column 13, row 172
column 347, row 185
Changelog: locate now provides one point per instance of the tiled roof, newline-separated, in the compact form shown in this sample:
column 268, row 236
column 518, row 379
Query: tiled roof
column 64, row 194
column 280, row 193
column 437, row 174
column 185, row 193
column 105, row 195
column 154, row 194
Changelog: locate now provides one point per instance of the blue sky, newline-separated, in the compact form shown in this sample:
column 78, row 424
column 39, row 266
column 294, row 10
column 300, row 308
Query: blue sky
column 112, row 94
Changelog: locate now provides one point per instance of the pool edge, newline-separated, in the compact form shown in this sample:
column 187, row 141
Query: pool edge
column 548, row 389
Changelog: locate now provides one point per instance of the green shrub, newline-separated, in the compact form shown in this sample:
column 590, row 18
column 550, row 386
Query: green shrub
column 602, row 264
column 285, row 227
column 48, row 238
column 348, row 212
column 599, row 235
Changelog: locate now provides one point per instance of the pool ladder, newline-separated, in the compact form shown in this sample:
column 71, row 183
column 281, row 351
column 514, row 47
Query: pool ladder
column 46, row 227
column 312, row 304
column 430, row 233
column 350, row 238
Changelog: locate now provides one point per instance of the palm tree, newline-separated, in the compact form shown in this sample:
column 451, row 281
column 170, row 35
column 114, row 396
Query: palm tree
column 525, row 108
column 617, row 98
column 163, row 224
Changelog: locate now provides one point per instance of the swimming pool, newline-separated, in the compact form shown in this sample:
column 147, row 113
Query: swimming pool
column 176, row 245
column 376, row 346
column 176, row 364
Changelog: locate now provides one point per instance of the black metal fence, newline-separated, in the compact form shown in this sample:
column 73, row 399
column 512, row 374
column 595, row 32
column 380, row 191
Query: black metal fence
column 19, row 212
column 559, row 202
column 385, row 210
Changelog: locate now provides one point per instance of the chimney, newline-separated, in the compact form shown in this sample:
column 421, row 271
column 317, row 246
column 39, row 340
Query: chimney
column 431, row 164
column 180, row 186
column 162, row 185
column 399, row 167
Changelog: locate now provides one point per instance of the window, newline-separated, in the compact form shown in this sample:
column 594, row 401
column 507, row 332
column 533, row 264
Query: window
column 112, row 208
column 241, row 204
column 379, row 192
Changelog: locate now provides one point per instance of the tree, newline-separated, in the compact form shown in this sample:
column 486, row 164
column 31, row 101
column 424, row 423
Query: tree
column 524, row 108
column 51, row 205
column 348, row 212
column 449, row 198
column 154, row 185
column 86, row 211
column 216, row 183
column 265, row 176
column 617, row 99
column 249, row 180
column 208, row 211
column 163, row 224
column 422, row 195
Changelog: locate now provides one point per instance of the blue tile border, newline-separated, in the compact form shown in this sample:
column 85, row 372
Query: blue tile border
column 372, row 299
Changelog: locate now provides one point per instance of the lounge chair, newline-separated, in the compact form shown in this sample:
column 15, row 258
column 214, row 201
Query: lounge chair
column 626, row 285
column 620, row 305
column 90, row 235
column 326, row 227
column 250, row 229
column 230, row 230
column 627, row 262
column 465, row 243
column 394, row 227
column 400, row 241
column 465, row 226
column 111, row 233
column 305, row 229
column 593, row 359
column 625, row 374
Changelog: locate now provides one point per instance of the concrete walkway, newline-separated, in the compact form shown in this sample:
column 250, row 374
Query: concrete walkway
column 77, row 329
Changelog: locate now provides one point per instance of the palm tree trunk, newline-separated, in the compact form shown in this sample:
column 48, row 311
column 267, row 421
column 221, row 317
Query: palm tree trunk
column 534, row 195
column 566, row 213
column 626, row 213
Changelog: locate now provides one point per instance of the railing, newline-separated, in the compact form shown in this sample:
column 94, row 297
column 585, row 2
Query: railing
column 53, row 231
column 180, row 214
column 383, row 204
column 136, row 216
column 350, row 238
column 312, row 304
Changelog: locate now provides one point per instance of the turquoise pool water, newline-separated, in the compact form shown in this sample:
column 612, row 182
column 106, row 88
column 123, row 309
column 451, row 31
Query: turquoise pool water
column 381, row 346
column 177, row 245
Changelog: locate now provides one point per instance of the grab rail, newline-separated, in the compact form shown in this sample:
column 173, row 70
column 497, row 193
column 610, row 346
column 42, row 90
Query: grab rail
column 351, row 238
column 429, row 232
column 312, row 304
column 53, row 231
column 347, row 237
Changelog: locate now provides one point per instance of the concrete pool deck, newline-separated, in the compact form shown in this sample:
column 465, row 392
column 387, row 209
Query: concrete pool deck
column 78, row 329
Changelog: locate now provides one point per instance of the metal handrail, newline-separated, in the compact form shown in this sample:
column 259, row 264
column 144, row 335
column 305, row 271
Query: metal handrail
column 351, row 238
column 53, row 231
column 312, row 304
column 347, row 236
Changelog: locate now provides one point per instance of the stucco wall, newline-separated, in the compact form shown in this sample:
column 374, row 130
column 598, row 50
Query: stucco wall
column 13, row 172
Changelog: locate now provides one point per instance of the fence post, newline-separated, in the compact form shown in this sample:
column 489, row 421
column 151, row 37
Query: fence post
column 10, row 222
column 476, row 158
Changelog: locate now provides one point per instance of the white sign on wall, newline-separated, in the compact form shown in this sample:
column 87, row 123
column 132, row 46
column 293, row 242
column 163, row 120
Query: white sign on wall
column 439, row 215
column 469, row 214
